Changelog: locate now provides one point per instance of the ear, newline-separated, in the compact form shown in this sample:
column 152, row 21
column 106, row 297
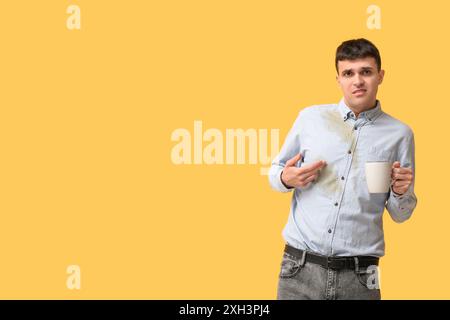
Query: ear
column 381, row 76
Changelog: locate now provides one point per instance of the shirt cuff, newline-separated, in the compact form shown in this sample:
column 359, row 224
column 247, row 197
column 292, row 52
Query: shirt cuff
column 401, row 196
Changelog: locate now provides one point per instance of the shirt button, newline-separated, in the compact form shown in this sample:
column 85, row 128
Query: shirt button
column 349, row 151
column 329, row 230
column 336, row 204
column 356, row 128
column 342, row 178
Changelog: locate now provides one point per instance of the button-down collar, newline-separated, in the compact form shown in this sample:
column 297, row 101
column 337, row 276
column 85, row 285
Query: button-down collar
column 370, row 114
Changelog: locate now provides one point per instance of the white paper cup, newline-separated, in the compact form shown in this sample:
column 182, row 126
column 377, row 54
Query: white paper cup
column 378, row 176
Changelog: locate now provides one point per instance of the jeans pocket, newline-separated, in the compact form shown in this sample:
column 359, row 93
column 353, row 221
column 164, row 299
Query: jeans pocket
column 290, row 266
column 369, row 278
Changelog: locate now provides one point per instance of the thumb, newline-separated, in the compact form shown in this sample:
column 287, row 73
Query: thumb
column 291, row 162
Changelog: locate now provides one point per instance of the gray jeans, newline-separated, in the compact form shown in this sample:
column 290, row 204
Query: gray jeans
column 313, row 281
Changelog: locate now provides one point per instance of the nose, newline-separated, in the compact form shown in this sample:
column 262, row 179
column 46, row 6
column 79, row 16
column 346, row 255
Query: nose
column 358, row 81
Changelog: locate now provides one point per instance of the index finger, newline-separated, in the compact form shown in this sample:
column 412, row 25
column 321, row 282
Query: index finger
column 310, row 167
column 403, row 170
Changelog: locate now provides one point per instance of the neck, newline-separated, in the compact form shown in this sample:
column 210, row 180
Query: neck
column 358, row 111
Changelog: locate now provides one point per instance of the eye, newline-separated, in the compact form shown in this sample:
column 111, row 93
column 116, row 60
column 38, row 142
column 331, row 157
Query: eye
column 367, row 72
column 347, row 74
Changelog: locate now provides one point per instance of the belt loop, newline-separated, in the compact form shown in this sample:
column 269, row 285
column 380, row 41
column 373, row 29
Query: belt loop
column 303, row 261
column 356, row 265
column 358, row 274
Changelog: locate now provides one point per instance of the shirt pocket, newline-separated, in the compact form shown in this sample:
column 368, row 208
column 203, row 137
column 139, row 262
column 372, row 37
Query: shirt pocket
column 377, row 154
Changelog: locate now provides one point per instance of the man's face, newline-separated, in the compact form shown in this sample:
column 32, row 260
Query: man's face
column 359, row 80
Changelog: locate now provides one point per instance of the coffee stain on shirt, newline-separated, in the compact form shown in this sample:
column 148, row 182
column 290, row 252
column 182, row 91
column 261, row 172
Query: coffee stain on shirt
column 355, row 158
column 328, row 180
column 336, row 124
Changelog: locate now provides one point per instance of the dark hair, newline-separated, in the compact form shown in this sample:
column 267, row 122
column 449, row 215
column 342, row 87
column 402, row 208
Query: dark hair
column 357, row 49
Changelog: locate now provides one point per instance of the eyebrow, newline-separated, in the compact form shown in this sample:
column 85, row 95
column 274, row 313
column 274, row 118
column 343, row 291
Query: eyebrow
column 362, row 69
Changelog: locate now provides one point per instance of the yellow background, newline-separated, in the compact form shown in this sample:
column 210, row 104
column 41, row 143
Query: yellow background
column 86, row 117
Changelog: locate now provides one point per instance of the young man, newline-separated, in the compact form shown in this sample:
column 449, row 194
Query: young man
column 334, row 233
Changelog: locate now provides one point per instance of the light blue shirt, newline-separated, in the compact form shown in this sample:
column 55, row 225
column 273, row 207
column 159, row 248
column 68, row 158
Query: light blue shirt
column 336, row 215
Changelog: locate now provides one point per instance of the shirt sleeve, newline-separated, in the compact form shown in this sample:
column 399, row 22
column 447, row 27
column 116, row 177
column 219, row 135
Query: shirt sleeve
column 401, row 207
column 290, row 148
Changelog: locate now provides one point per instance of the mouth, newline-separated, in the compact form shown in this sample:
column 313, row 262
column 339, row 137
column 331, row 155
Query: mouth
column 359, row 92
